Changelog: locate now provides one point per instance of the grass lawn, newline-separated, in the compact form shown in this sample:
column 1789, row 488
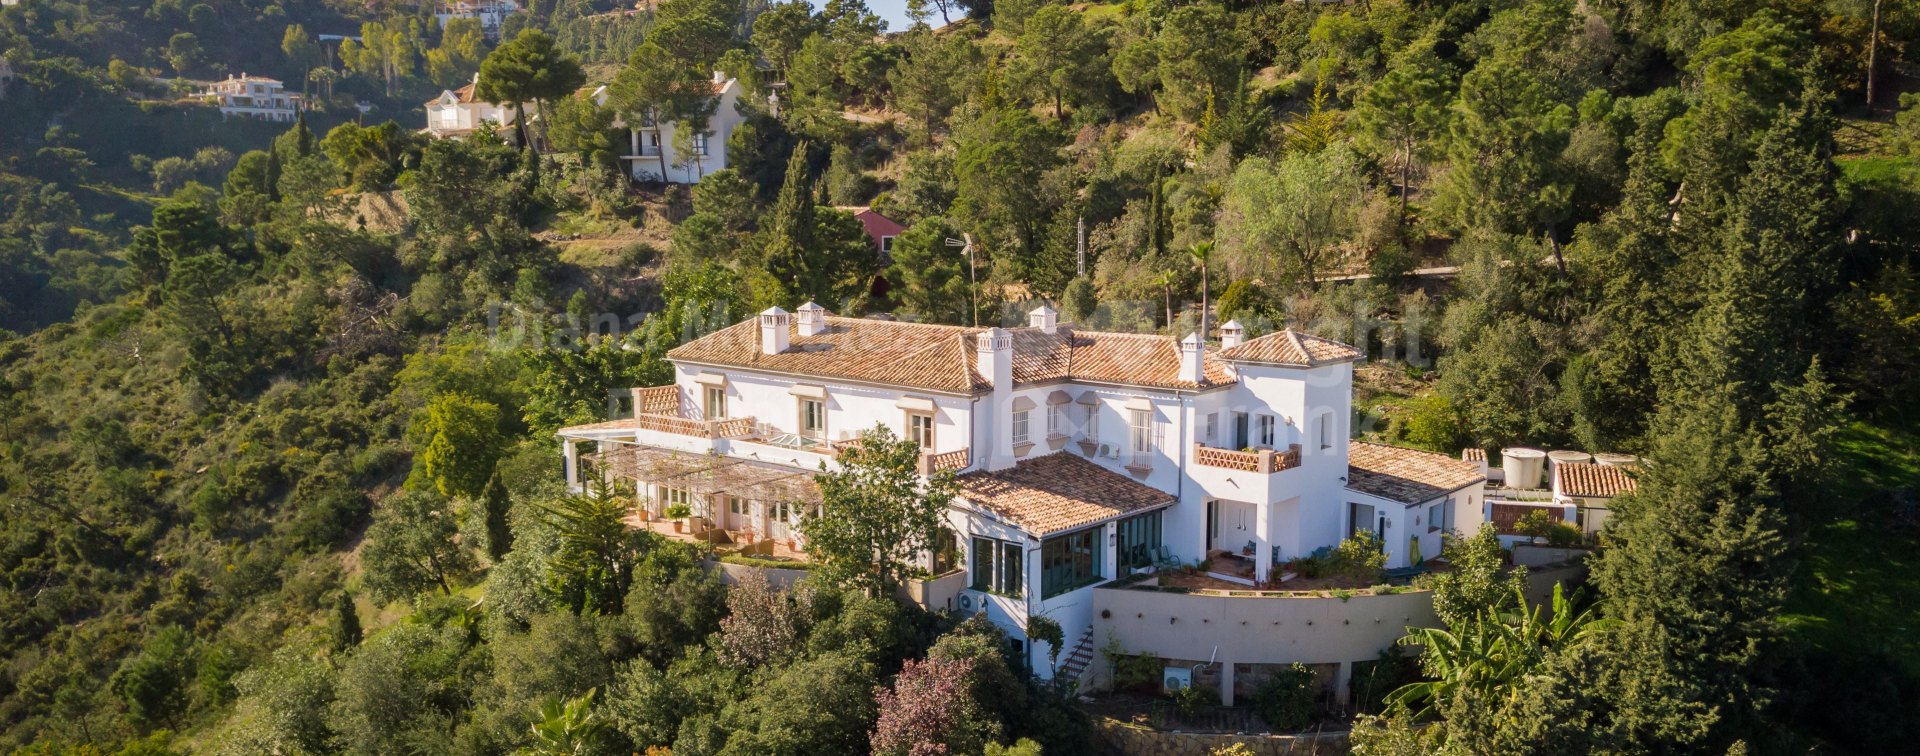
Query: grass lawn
column 1858, row 586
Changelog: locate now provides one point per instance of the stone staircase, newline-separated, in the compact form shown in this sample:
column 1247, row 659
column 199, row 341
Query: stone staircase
column 1078, row 659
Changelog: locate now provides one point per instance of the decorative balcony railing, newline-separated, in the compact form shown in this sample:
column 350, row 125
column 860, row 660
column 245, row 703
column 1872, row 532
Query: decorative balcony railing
column 709, row 429
column 657, row 400
column 1265, row 461
column 957, row 459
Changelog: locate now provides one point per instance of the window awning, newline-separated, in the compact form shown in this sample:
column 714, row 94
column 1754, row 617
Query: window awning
column 1059, row 397
column 1022, row 404
column 1089, row 398
column 1140, row 403
column 711, row 379
column 808, row 391
column 915, row 404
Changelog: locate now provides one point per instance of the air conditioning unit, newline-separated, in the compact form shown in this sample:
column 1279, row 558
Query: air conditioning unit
column 1176, row 678
column 966, row 602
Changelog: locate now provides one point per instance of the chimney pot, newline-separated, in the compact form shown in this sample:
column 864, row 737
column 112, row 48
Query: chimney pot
column 1044, row 318
column 773, row 331
column 1231, row 334
column 812, row 319
column 1191, row 358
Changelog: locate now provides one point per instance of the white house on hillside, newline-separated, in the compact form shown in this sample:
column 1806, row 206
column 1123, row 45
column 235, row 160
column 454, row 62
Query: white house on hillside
column 650, row 153
column 491, row 14
column 255, row 97
column 1082, row 456
column 456, row 113
column 653, row 155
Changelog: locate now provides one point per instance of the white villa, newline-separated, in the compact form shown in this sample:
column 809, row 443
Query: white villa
column 1081, row 457
column 650, row 154
column 456, row 113
column 255, row 97
column 491, row 13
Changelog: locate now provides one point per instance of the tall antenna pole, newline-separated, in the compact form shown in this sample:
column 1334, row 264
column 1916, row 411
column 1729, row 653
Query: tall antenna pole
column 965, row 243
column 1080, row 247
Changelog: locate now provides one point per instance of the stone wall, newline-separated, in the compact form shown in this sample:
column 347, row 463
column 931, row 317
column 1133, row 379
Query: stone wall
column 1122, row 738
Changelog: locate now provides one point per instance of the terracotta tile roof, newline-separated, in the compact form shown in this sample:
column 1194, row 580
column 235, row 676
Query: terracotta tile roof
column 1058, row 492
column 1293, row 348
column 1408, row 476
column 943, row 358
column 913, row 355
column 1473, row 455
column 1587, row 479
column 462, row 95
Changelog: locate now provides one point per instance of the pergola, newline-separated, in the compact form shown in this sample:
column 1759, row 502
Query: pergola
column 708, row 474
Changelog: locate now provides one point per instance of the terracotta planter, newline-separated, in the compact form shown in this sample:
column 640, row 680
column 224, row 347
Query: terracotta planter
column 679, row 526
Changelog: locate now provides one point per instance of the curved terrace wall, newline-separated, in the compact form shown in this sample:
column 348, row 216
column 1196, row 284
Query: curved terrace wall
column 1238, row 629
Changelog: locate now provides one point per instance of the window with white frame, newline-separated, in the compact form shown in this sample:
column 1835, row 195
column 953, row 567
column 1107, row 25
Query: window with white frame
column 716, row 406
column 1022, row 427
column 673, row 496
column 1140, row 435
column 998, row 566
column 1435, row 515
column 1213, row 428
column 920, row 429
column 1093, row 423
column 1326, row 430
column 1266, row 425
column 813, row 418
column 700, row 145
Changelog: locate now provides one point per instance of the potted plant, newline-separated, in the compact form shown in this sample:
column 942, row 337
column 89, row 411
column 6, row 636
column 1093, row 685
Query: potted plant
column 679, row 513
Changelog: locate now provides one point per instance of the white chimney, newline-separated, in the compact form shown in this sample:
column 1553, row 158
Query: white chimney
column 1044, row 318
column 996, row 358
column 995, row 362
column 1191, row 358
column 719, row 77
column 773, row 331
column 1230, row 334
column 813, row 319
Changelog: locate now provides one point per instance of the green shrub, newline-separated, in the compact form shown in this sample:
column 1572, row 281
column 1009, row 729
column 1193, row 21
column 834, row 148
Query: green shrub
column 679, row 512
column 1137, row 672
column 1285, row 700
column 1359, row 557
column 1189, row 699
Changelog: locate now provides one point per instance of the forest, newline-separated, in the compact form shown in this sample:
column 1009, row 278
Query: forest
column 277, row 462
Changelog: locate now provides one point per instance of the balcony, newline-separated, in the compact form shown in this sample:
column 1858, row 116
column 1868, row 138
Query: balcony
column 1264, row 461
column 955, row 460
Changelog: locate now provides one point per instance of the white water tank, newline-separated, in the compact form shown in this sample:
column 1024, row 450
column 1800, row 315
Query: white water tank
column 1522, row 466
column 1611, row 459
column 1560, row 457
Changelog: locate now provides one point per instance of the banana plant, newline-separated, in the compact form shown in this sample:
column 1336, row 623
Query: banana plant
column 1495, row 650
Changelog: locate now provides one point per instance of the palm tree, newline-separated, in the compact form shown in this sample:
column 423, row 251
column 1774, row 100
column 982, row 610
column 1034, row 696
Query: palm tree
column 568, row 727
column 1202, row 253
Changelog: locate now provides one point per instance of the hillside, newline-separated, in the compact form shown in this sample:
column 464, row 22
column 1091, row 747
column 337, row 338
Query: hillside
column 278, row 399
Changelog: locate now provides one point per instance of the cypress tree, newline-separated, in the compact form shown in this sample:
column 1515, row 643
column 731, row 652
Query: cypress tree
column 790, row 229
column 302, row 137
column 346, row 623
column 498, row 504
